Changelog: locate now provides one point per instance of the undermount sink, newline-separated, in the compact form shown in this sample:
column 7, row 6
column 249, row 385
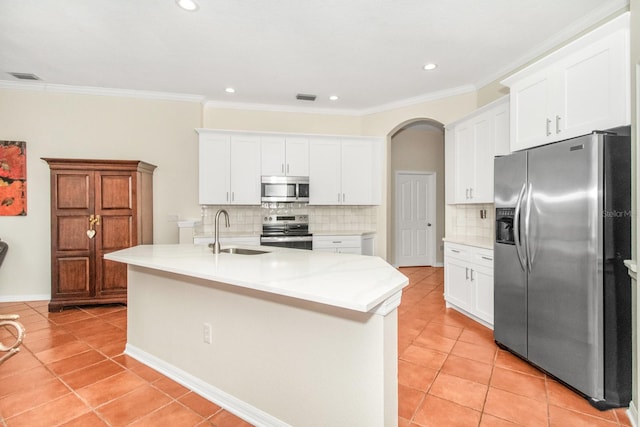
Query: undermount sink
column 241, row 251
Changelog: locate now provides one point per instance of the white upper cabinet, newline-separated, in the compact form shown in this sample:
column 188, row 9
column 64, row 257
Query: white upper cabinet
column 229, row 169
column 582, row 87
column 344, row 171
column 325, row 180
column 283, row 156
column 341, row 170
column 470, row 146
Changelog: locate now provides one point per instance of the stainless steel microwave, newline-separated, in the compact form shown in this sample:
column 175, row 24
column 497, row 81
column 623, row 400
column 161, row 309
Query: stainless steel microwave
column 285, row 189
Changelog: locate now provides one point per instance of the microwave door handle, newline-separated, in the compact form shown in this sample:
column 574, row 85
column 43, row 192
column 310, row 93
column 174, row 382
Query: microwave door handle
column 516, row 228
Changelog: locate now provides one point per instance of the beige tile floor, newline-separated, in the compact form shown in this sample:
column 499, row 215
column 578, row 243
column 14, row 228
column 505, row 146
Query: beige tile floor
column 71, row 372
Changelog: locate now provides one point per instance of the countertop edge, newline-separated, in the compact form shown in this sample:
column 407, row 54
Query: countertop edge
column 395, row 287
column 478, row 242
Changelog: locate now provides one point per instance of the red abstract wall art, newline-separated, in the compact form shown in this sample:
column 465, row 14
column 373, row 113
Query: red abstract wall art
column 13, row 178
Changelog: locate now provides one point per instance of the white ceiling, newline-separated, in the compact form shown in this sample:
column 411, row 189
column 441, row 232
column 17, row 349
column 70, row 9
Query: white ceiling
column 368, row 52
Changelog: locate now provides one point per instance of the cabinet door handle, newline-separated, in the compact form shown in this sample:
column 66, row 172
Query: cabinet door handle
column 466, row 273
column 343, row 197
column 227, row 196
column 466, row 192
column 471, row 193
column 472, row 274
column 287, row 167
column 455, row 250
column 233, row 196
column 557, row 124
column 548, row 127
column 487, row 258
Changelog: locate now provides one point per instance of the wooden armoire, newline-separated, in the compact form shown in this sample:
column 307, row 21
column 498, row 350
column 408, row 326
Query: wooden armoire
column 97, row 207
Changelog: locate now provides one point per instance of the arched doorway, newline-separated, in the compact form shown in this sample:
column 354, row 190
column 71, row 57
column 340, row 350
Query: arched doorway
column 416, row 171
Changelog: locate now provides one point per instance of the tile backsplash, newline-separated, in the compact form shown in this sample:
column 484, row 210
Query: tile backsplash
column 467, row 221
column 248, row 219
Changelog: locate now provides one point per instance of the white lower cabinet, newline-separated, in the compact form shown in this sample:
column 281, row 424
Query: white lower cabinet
column 468, row 281
column 350, row 244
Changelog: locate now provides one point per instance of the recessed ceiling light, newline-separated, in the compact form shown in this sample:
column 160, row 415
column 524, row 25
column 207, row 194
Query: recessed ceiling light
column 189, row 5
column 230, row 90
column 333, row 97
column 430, row 67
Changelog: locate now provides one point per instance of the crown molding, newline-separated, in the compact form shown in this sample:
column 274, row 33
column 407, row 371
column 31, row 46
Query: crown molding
column 609, row 9
column 88, row 90
column 168, row 96
column 409, row 102
column 343, row 112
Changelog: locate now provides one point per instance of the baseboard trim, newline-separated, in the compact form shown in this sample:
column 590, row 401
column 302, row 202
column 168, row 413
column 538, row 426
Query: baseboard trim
column 24, row 298
column 226, row 401
column 632, row 414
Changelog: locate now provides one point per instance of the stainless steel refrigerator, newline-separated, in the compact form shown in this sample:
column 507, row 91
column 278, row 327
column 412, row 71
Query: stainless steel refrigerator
column 562, row 294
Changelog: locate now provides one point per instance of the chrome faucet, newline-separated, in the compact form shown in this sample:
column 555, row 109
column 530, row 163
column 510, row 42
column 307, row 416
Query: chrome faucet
column 216, row 243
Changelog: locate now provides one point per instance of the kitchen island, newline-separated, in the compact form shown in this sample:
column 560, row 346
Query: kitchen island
column 287, row 337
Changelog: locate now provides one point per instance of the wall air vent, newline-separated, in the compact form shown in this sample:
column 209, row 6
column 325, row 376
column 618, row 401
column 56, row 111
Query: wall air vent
column 25, row 76
column 305, row 97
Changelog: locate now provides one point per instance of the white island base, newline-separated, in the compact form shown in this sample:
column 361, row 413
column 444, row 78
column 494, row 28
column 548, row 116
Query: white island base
column 273, row 360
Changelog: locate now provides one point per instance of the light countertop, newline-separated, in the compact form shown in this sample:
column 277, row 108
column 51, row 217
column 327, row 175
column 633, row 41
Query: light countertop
column 479, row 242
column 354, row 282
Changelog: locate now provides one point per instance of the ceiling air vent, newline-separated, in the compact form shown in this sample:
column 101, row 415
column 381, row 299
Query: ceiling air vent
column 305, row 97
column 25, row 76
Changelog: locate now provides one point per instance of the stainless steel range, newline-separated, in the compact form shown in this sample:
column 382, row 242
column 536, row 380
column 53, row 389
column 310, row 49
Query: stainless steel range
column 286, row 231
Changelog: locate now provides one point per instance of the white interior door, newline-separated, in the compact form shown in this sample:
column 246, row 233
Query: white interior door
column 415, row 218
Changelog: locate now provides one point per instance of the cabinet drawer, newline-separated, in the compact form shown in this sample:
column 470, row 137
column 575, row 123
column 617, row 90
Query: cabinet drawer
column 461, row 252
column 320, row 242
column 483, row 257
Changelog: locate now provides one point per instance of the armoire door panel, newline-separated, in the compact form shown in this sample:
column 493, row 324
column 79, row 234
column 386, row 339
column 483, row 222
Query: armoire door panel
column 73, row 191
column 73, row 275
column 116, row 232
column 112, row 277
column 115, row 192
column 72, row 233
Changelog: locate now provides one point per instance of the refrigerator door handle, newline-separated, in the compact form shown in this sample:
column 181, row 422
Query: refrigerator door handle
column 527, row 224
column 516, row 228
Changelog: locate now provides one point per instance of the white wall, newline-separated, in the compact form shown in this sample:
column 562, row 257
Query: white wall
column 281, row 121
column 156, row 131
column 419, row 148
column 87, row 126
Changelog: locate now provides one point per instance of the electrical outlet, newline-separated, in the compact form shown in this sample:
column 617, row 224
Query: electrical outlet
column 206, row 333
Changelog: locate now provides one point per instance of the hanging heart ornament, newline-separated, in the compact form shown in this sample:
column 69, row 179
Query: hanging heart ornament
column 91, row 233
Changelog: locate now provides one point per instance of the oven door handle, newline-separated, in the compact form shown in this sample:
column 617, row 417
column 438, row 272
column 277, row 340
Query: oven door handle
column 279, row 239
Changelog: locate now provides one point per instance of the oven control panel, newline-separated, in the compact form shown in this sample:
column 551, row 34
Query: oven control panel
column 285, row 219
